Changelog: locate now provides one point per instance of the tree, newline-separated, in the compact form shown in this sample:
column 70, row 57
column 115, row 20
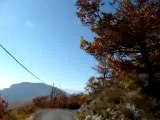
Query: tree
column 3, row 109
column 41, row 102
column 97, row 84
column 105, row 72
column 94, row 85
column 128, row 35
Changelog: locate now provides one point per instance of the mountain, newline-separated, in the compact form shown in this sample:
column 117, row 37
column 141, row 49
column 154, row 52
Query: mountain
column 70, row 91
column 26, row 91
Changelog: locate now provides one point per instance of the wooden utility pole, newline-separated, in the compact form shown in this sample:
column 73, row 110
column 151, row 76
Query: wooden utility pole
column 51, row 96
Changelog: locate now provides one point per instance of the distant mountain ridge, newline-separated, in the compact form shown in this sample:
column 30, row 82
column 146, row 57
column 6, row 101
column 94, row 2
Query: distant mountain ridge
column 26, row 91
column 71, row 91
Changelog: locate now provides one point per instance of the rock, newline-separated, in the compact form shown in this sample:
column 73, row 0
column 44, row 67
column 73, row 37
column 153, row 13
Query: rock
column 96, row 117
column 89, row 117
column 93, row 117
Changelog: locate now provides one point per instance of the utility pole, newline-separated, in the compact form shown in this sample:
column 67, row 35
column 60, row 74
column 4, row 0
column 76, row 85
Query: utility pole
column 51, row 96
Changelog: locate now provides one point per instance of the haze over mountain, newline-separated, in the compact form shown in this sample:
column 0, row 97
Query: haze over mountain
column 71, row 91
column 26, row 91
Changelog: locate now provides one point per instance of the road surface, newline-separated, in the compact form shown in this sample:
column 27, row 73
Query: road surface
column 54, row 114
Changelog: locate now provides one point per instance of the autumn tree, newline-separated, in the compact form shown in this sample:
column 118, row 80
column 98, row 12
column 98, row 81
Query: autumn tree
column 3, row 109
column 42, row 102
column 98, row 83
column 94, row 85
column 128, row 34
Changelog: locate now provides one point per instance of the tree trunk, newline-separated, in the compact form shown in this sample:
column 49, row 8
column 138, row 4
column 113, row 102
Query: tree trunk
column 146, row 60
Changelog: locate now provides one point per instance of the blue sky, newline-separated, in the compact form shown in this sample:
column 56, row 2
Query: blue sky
column 44, row 35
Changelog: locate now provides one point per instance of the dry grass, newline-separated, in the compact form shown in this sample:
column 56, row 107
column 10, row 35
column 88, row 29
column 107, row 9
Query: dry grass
column 123, row 99
column 21, row 113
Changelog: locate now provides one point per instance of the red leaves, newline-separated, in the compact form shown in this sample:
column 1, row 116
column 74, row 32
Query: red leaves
column 41, row 102
column 3, row 106
column 62, row 101
column 88, row 11
column 123, row 33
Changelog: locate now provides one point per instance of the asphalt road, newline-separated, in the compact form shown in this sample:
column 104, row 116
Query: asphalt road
column 56, row 114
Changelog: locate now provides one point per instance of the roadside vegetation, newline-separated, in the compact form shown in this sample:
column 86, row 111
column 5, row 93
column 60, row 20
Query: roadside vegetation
column 72, row 102
column 127, row 49
column 20, row 113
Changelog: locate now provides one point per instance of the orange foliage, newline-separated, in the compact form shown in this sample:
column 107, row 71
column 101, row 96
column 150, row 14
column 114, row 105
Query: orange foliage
column 3, row 109
column 130, row 32
column 41, row 102
column 74, row 101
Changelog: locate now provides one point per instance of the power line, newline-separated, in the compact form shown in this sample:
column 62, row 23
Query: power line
column 21, row 64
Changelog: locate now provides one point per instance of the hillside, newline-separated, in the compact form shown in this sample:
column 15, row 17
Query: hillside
column 26, row 91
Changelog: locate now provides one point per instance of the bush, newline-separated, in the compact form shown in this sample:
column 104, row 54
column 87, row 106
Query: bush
column 23, row 112
column 74, row 101
column 123, row 99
